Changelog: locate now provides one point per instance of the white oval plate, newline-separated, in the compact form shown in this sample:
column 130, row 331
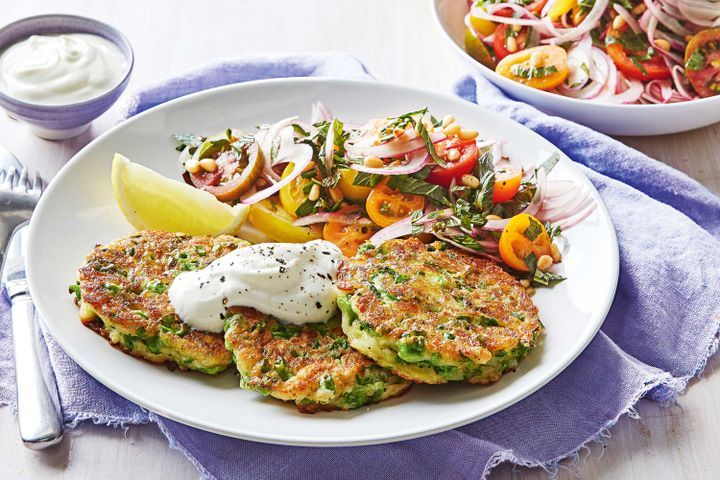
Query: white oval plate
column 604, row 117
column 78, row 211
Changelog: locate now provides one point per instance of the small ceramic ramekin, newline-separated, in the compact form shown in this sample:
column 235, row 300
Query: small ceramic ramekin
column 55, row 122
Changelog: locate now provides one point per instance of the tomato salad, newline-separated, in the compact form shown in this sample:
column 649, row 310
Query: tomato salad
column 612, row 51
column 412, row 174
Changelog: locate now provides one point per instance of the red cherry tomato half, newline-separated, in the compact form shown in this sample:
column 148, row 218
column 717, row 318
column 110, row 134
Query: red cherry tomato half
column 653, row 69
column 464, row 158
column 500, row 41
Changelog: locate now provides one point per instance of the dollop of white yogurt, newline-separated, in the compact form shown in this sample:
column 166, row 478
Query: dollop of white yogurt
column 293, row 282
column 61, row 69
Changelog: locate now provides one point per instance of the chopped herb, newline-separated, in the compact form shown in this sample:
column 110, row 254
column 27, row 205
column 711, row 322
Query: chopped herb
column 415, row 186
column 532, row 72
column 533, row 230
column 170, row 323
column 364, row 179
column 696, row 61
column 155, row 286
column 75, row 288
column 546, row 279
column 187, row 140
column 112, row 288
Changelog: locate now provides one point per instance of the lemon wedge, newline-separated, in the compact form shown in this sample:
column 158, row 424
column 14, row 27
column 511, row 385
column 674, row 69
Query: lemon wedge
column 151, row 201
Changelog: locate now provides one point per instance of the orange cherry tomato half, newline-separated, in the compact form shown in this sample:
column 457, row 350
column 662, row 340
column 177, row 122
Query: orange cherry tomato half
column 653, row 69
column 507, row 183
column 702, row 62
column 523, row 235
column 464, row 163
column 543, row 67
column 347, row 237
column 386, row 206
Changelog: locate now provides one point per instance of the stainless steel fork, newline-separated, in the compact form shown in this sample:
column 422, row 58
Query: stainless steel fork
column 18, row 196
column 39, row 417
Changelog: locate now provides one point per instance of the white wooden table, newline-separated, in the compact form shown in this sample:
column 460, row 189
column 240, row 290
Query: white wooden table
column 397, row 41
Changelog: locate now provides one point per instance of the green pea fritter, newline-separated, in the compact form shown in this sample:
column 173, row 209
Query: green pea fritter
column 122, row 295
column 432, row 313
column 311, row 365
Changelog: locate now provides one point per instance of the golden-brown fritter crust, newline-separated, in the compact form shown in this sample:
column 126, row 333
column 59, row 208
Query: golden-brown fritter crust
column 125, row 284
column 310, row 364
column 437, row 306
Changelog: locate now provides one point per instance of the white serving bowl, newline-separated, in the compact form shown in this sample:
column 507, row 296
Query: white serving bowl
column 609, row 119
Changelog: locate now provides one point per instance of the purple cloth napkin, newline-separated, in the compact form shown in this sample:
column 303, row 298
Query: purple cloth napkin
column 661, row 329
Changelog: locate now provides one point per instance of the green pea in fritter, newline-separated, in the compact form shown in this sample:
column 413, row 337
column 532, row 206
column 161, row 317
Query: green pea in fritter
column 432, row 313
column 122, row 295
column 311, row 365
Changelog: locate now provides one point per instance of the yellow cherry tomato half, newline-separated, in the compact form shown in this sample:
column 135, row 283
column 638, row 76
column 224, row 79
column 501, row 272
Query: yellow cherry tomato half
column 482, row 26
column 542, row 67
column 386, row 206
column 523, row 235
column 292, row 195
column 347, row 237
column 560, row 8
column 507, row 183
column 270, row 218
column 350, row 191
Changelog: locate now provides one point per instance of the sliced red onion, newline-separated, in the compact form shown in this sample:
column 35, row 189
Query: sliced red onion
column 527, row 18
column 559, row 188
column 539, row 196
column 301, row 159
column 568, row 209
column 589, row 22
column 496, row 225
column 320, row 113
column 679, row 79
column 337, row 217
column 571, row 222
column 397, row 147
column 398, row 229
column 330, row 146
column 414, row 162
column 497, row 151
column 631, row 95
column 699, row 12
column 627, row 16
column 666, row 19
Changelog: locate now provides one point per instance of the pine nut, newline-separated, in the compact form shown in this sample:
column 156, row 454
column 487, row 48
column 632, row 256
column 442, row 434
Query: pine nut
column 544, row 262
column 493, row 217
column 192, row 166
column 453, row 154
column 516, row 28
column 537, row 59
column 511, row 44
column 467, row 134
column 530, row 291
column 395, row 163
column 451, row 130
column 208, row 164
column 618, row 22
column 470, row 181
column 373, row 162
column 315, row 193
column 449, row 119
column 556, row 256
column 639, row 9
column 525, row 283
column 662, row 44
column 336, row 194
